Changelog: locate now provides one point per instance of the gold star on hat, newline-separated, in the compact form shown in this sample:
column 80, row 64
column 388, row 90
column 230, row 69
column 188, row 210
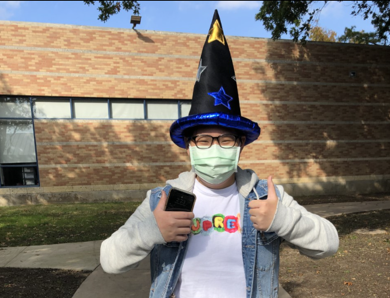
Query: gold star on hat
column 216, row 33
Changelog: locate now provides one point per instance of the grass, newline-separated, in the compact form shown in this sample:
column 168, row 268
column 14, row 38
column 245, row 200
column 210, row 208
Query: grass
column 61, row 223
column 65, row 223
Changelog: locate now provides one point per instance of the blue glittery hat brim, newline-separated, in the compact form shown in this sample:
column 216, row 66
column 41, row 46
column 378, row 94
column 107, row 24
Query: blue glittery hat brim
column 249, row 128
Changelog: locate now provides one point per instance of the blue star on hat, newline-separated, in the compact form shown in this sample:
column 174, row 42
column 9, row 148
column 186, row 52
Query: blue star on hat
column 221, row 98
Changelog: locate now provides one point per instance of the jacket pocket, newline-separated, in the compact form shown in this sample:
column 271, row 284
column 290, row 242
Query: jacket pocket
column 172, row 244
column 267, row 250
column 266, row 238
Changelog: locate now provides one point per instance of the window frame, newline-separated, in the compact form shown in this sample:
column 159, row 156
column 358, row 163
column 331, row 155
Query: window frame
column 115, row 100
column 85, row 100
column 109, row 101
column 32, row 99
column 152, row 101
column 51, row 99
column 22, row 165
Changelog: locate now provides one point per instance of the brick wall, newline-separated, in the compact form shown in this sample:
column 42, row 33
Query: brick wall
column 317, row 121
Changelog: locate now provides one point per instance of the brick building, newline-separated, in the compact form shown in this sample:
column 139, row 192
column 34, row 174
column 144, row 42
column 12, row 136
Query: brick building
column 85, row 111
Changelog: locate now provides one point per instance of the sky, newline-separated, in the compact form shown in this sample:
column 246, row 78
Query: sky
column 237, row 17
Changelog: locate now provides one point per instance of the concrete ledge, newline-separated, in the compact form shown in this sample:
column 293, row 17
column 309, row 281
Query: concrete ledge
column 339, row 186
column 72, row 197
column 137, row 192
column 78, row 188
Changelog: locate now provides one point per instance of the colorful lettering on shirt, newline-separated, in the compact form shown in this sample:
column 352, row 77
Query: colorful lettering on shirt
column 231, row 224
column 218, row 222
column 195, row 227
column 207, row 225
column 238, row 222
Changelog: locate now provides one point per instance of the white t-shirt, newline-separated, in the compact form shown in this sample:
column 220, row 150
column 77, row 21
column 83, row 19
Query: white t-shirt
column 213, row 265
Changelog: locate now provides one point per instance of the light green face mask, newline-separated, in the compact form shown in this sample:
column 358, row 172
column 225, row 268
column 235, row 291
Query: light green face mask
column 215, row 164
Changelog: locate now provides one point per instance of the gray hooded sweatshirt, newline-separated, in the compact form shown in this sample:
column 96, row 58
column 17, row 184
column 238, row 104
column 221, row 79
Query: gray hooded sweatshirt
column 311, row 234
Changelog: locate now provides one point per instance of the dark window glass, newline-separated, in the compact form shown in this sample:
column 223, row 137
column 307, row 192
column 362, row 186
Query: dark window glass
column 18, row 176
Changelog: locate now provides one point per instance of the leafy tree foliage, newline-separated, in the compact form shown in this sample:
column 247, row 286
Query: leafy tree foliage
column 380, row 19
column 361, row 37
column 318, row 33
column 296, row 17
column 109, row 8
column 278, row 15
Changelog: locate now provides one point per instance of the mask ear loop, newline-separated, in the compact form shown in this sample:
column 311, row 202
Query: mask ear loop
column 191, row 159
column 238, row 151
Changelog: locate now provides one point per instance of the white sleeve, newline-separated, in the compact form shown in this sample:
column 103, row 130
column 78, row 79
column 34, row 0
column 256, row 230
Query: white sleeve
column 132, row 242
column 312, row 235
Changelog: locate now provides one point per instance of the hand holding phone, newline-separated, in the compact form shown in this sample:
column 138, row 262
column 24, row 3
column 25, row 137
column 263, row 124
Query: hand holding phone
column 174, row 226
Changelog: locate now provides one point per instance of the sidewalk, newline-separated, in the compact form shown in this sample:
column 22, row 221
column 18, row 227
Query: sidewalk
column 135, row 283
column 327, row 210
column 70, row 256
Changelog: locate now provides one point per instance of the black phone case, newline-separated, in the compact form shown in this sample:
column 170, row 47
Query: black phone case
column 180, row 200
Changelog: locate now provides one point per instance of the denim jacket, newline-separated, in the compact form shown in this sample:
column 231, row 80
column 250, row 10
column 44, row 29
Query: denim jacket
column 140, row 236
column 260, row 253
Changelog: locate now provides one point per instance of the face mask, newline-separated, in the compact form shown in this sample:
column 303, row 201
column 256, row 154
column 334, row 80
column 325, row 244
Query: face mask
column 215, row 164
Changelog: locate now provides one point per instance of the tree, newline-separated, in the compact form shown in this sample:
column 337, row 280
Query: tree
column 109, row 8
column 296, row 17
column 360, row 37
column 320, row 34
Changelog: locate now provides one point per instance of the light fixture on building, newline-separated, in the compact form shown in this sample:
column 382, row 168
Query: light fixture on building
column 135, row 20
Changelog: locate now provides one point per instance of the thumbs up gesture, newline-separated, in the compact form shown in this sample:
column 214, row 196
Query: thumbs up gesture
column 173, row 225
column 263, row 211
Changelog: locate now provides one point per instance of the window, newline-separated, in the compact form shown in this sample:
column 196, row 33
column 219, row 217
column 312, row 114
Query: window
column 52, row 109
column 162, row 110
column 127, row 109
column 16, row 141
column 15, row 107
column 90, row 110
column 18, row 161
column 16, row 175
column 96, row 108
column 185, row 108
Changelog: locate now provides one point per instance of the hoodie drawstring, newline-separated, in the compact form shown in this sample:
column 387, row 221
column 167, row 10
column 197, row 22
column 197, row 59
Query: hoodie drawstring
column 261, row 232
column 257, row 195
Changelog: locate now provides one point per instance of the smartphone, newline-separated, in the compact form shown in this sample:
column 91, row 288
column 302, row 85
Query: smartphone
column 180, row 200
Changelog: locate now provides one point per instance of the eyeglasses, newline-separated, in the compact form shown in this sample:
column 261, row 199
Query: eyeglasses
column 205, row 141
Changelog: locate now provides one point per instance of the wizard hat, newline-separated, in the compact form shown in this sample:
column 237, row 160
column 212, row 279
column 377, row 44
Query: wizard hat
column 215, row 99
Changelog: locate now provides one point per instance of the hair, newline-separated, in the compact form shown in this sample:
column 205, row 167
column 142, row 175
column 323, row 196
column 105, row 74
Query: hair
column 187, row 134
